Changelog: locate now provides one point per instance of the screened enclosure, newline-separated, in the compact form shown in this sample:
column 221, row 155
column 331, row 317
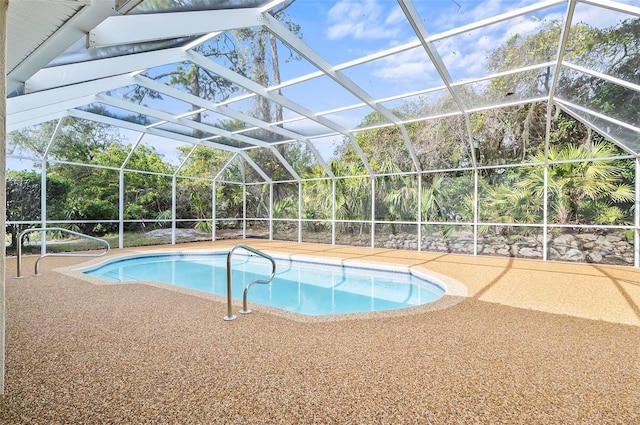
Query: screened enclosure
column 495, row 128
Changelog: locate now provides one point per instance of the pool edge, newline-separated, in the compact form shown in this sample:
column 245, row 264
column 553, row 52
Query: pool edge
column 455, row 291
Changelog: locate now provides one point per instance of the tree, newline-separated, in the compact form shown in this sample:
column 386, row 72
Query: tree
column 81, row 142
column 24, row 190
column 584, row 187
column 96, row 195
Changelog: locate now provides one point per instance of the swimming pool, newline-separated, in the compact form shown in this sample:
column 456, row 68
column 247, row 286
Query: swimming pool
column 307, row 287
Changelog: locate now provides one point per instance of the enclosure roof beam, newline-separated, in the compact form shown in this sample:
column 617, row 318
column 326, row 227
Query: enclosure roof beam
column 166, row 117
column 184, row 161
column 162, row 133
column 611, row 79
column 123, row 30
column 244, row 156
column 496, row 19
column 615, row 6
column 144, row 110
column 564, row 36
column 506, row 105
column 598, row 115
column 250, row 85
column 308, row 53
column 255, row 166
column 224, row 167
column 566, row 107
column 211, row 106
column 67, row 75
column 22, row 109
column 223, row 110
column 418, row 26
column 132, row 151
column 275, row 97
column 149, row 130
column 53, row 137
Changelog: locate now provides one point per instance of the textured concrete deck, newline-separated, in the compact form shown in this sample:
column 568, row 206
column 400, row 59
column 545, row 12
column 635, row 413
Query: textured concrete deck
column 531, row 342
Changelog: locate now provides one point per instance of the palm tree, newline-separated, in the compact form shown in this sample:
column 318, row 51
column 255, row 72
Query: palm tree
column 353, row 194
column 584, row 188
column 584, row 184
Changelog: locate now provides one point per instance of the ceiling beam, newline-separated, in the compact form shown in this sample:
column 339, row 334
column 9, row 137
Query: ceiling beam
column 616, row 6
column 598, row 115
column 150, row 112
column 162, row 133
column 567, row 108
column 228, row 112
column 277, row 98
column 120, row 30
column 66, row 75
column 26, row 108
column 211, row 106
column 496, row 19
column 418, row 26
column 609, row 78
column 71, row 31
column 305, row 51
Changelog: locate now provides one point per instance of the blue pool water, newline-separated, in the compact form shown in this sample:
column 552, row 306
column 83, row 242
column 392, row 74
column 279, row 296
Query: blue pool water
column 304, row 287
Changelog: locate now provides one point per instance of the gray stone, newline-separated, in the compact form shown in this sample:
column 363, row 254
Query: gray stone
column 559, row 249
column 566, row 240
column 594, row 257
column 602, row 241
column 554, row 254
column 574, row 255
column 529, row 253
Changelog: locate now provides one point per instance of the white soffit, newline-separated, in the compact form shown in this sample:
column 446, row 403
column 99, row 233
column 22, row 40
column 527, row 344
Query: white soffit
column 31, row 22
column 39, row 30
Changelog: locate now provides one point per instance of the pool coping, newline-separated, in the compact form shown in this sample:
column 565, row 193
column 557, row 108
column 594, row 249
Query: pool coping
column 455, row 291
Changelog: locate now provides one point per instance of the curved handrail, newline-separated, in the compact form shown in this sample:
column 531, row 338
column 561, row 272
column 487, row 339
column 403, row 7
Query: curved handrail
column 47, row 229
column 244, row 310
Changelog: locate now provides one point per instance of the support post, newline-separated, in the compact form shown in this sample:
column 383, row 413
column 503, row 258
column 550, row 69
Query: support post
column 333, row 211
column 174, row 190
column 373, row 212
column 476, row 215
column 271, row 211
column 636, row 233
column 299, row 211
column 121, row 209
column 4, row 8
column 214, row 217
column 419, row 177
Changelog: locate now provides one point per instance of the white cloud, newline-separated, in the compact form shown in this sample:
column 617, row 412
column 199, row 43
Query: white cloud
column 410, row 70
column 466, row 55
column 361, row 19
column 396, row 16
column 597, row 17
column 453, row 16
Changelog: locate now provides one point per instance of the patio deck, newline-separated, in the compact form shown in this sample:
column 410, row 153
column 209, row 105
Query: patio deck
column 532, row 342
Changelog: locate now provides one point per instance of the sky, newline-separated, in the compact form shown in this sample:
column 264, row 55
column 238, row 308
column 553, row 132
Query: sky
column 345, row 30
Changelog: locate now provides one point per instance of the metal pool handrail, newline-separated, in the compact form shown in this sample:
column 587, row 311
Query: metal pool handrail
column 245, row 310
column 47, row 229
